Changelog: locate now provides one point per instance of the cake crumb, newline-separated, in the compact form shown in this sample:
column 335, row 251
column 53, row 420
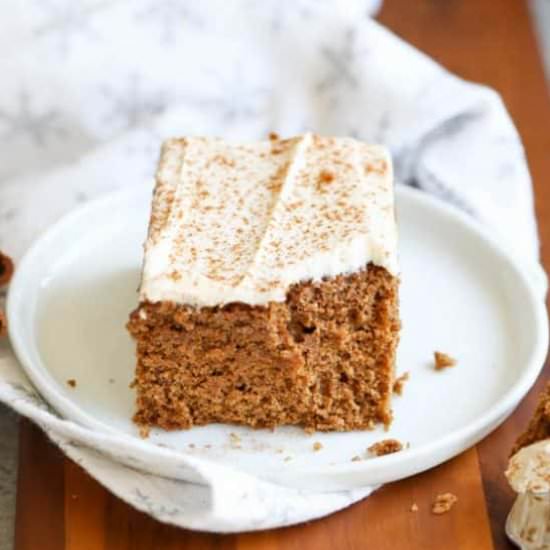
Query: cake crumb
column 74, row 497
column 144, row 432
column 414, row 507
column 71, row 382
column 234, row 440
column 399, row 383
column 356, row 458
column 317, row 446
column 443, row 360
column 3, row 324
column 443, row 503
column 385, row 447
column 273, row 136
column 6, row 269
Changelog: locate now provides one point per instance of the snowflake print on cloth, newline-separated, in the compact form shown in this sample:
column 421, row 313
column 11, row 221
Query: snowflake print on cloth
column 280, row 13
column 171, row 17
column 27, row 122
column 144, row 501
column 232, row 99
column 66, row 21
column 342, row 62
column 133, row 106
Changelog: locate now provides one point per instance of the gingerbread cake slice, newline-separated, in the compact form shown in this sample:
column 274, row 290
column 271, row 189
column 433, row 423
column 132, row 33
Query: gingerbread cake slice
column 269, row 292
column 539, row 425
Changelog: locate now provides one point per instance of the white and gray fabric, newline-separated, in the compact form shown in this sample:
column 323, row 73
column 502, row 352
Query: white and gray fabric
column 94, row 87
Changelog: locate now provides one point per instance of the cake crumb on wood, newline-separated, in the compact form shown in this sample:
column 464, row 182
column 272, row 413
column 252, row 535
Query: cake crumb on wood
column 443, row 360
column 6, row 269
column 414, row 507
column 71, row 382
column 399, row 383
column 443, row 503
column 3, row 324
column 317, row 446
column 385, row 447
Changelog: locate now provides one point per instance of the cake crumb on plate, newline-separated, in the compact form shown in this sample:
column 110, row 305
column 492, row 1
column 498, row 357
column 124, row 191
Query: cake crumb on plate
column 443, row 503
column 234, row 440
column 144, row 432
column 71, row 382
column 399, row 383
column 317, row 446
column 3, row 324
column 385, row 447
column 443, row 360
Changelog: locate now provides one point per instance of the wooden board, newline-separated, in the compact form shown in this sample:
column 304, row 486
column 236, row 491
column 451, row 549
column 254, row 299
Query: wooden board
column 60, row 507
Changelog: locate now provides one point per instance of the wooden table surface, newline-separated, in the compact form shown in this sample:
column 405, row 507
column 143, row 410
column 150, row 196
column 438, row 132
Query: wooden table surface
column 60, row 507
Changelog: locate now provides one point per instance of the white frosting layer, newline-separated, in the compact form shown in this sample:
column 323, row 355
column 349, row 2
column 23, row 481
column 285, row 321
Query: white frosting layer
column 242, row 223
column 529, row 468
column 528, row 523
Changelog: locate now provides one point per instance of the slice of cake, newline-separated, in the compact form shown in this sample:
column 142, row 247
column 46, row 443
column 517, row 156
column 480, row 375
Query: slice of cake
column 269, row 286
column 539, row 425
column 528, row 472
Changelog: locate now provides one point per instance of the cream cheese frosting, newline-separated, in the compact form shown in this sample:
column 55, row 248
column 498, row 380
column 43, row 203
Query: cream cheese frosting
column 529, row 469
column 528, row 523
column 242, row 223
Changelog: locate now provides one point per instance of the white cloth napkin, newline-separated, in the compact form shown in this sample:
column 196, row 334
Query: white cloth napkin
column 95, row 86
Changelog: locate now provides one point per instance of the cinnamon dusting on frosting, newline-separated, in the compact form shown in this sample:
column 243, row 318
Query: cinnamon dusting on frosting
column 245, row 222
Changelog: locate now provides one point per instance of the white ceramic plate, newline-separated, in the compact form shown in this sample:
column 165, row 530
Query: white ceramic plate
column 460, row 293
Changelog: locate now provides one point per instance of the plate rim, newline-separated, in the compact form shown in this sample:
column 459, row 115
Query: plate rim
column 492, row 417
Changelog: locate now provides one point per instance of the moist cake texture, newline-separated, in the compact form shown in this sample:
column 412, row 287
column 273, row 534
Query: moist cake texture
column 269, row 291
column 539, row 425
